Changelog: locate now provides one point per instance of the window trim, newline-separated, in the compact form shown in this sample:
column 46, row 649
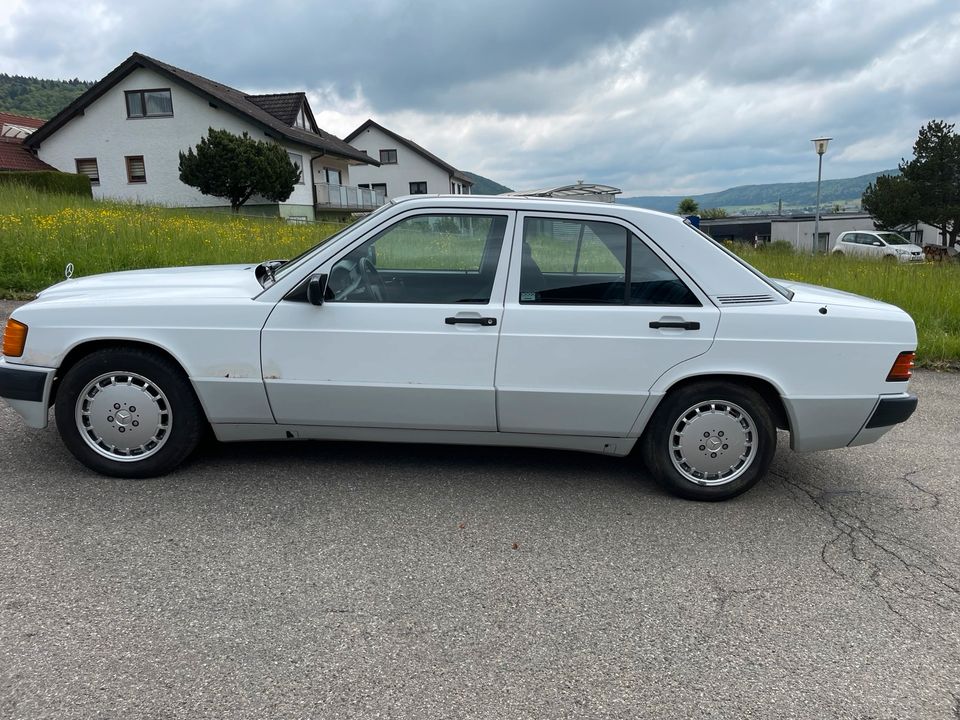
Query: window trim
column 143, row 101
column 77, row 162
column 384, row 159
column 126, row 162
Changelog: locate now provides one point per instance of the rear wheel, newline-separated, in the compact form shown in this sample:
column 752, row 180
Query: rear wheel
column 710, row 441
column 129, row 413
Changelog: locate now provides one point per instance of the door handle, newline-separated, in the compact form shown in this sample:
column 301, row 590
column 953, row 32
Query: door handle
column 485, row 321
column 680, row 325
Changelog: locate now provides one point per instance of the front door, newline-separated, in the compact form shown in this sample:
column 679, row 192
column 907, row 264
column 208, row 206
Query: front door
column 593, row 316
column 407, row 337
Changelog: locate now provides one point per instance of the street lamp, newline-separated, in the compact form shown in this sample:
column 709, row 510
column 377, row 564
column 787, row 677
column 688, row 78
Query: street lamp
column 820, row 145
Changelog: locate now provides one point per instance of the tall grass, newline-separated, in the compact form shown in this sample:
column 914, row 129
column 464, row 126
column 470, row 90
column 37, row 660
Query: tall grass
column 930, row 292
column 40, row 234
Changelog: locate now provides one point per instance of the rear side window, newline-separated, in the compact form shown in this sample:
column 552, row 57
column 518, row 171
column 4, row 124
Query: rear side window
column 583, row 262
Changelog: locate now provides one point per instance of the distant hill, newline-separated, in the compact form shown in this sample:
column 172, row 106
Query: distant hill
column 38, row 98
column 758, row 198
column 485, row 186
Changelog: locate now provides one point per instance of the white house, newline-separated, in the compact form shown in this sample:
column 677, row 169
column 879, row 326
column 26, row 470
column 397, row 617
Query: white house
column 405, row 168
column 126, row 133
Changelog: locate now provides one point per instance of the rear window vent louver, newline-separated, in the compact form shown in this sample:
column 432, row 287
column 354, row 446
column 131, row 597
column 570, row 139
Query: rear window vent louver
column 744, row 299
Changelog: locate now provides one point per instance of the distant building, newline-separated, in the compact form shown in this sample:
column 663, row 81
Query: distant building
column 14, row 129
column 404, row 168
column 127, row 130
column 798, row 230
column 578, row 191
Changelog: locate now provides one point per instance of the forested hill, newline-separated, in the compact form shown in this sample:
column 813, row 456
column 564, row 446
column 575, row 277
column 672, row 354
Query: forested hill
column 485, row 186
column 797, row 195
column 37, row 98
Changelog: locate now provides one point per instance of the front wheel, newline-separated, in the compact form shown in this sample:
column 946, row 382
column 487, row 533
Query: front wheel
column 710, row 441
column 128, row 413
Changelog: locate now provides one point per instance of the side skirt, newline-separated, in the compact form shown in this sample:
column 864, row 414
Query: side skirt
column 235, row 432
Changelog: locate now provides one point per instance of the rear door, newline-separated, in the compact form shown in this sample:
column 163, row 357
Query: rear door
column 594, row 314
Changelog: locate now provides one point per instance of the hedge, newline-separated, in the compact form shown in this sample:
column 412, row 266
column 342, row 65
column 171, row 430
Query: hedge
column 49, row 181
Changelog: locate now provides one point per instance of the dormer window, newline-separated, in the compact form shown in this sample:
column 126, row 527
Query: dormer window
column 302, row 122
column 149, row 103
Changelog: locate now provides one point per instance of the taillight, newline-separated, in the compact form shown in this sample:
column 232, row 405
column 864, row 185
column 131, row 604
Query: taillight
column 902, row 367
column 14, row 338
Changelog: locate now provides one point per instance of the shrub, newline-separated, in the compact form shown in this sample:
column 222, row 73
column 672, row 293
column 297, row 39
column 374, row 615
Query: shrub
column 781, row 246
column 49, row 181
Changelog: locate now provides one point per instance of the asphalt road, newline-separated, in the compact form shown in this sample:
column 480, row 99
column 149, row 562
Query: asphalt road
column 334, row 580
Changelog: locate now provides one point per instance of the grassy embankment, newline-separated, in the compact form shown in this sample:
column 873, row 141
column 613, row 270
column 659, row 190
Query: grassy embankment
column 40, row 234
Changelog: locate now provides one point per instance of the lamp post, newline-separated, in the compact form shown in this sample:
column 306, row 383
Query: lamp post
column 820, row 145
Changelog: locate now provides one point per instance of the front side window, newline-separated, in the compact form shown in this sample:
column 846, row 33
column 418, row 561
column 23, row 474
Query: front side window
column 88, row 167
column 149, row 103
column 418, row 188
column 388, row 157
column 423, row 259
column 584, row 262
column 136, row 169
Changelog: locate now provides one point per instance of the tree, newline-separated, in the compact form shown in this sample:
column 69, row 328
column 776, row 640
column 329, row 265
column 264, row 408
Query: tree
column 687, row 206
column 236, row 167
column 928, row 188
column 713, row 213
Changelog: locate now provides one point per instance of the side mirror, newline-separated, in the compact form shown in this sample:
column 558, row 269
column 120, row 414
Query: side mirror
column 316, row 289
column 877, row 243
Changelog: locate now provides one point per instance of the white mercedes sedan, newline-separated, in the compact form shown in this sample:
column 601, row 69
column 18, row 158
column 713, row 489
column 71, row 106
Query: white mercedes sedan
column 468, row 320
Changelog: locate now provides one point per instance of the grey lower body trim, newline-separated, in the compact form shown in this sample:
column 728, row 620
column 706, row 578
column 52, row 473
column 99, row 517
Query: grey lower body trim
column 825, row 423
column 236, row 432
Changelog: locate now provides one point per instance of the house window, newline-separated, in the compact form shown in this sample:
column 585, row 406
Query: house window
column 379, row 188
column 298, row 161
column 301, row 121
column 333, row 176
column 149, row 103
column 136, row 171
column 418, row 188
column 388, row 157
column 88, row 167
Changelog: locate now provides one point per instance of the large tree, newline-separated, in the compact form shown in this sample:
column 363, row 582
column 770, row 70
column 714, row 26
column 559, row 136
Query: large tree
column 687, row 206
column 237, row 167
column 928, row 187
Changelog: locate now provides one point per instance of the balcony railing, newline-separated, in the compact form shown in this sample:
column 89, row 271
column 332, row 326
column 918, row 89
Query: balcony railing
column 331, row 195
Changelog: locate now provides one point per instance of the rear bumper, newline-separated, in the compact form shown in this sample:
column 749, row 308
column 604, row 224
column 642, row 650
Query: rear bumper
column 891, row 411
column 26, row 389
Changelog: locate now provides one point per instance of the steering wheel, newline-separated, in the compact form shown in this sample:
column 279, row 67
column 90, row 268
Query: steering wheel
column 374, row 284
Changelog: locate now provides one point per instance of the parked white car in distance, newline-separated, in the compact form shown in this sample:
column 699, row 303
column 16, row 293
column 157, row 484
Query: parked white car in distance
column 878, row 244
column 498, row 321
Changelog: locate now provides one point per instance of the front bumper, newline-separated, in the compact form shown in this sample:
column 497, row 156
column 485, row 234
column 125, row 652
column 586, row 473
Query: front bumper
column 26, row 388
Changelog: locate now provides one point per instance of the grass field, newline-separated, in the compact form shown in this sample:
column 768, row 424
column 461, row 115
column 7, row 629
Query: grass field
column 40, row 234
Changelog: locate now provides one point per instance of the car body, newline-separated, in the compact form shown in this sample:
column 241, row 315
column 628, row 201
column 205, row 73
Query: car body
column 878, row 244
column 469, row 320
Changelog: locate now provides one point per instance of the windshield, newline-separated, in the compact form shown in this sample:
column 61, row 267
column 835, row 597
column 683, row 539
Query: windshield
column 893, row 239
column 293, row 262
column 788, row 294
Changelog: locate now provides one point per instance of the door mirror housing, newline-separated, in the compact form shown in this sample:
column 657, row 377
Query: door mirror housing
column 316, row 289
column 878, row 243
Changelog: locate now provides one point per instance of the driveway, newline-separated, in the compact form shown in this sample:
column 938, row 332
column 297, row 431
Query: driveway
column 334, row 580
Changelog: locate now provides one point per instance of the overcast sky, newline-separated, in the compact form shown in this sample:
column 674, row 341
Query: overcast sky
column 653, row 97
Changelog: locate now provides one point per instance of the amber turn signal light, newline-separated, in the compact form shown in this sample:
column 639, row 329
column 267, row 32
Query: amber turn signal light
column 902, row 368
column 14, row 338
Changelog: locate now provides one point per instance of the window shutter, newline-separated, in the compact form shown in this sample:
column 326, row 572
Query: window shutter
column 88, row 167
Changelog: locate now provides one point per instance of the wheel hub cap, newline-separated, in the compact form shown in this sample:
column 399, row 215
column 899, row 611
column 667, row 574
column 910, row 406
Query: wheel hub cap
column 713, row 442
column 123, row 416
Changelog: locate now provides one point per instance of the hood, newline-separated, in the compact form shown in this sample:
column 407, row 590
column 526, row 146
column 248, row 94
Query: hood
column 206, row 281
column 817, row 295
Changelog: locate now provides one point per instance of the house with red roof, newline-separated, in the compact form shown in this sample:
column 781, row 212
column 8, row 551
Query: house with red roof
column 14, row 129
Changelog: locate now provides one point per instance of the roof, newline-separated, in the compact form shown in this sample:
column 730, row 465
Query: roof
column 456, row 174
column 14, row 156
column 283, row 106
column 232, row 99
column 21, row 120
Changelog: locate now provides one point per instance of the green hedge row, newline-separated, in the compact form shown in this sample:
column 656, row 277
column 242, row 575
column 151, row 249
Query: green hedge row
column 49, row 181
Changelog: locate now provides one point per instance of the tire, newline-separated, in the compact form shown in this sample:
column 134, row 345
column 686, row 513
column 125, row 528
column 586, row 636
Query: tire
column 838, row 253
column 731, row 420
column 128, row 413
